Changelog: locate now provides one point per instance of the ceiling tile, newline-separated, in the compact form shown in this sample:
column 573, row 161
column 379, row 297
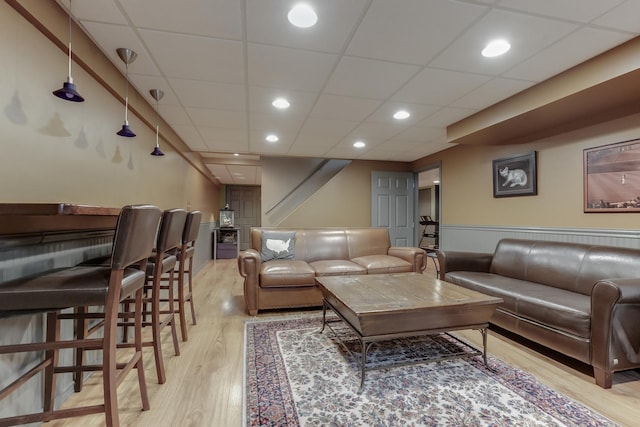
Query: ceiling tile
column 370, row 130
column 312, row 146
column 196, row 57
column 191, row 137
column 421, row 134
column 623, row 17
column 573, row 49
column 274, row 122
column 193, row 93
column 439, row 87
column 344, row 108
column 111, row 37
column 225, row 136
column 293, row 69
column 221, row 172
column 217, row 118
column 334, row 128
column 260, row 99
column 143, row 83
column 174, row 115
column 214, row 18
column 243, row 174
column 267, row 24
column 527, row 35
column 96, row 10
column 446, row 116
column 413, row 33
column 491, row 92
column 385, row 113
column 571, row 10
column 367, row 78
column 259, row 144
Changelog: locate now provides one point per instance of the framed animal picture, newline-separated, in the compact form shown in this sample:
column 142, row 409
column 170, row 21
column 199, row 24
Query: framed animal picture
column 515, row 176
column 612, row 177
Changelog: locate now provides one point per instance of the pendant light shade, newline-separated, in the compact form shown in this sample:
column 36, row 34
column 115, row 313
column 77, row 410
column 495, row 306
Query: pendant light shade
column 157, row 94
column 127, row 56
column 68, row 90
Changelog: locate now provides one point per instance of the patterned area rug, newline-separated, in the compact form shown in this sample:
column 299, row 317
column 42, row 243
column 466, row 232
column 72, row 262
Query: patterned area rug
column 297, row 376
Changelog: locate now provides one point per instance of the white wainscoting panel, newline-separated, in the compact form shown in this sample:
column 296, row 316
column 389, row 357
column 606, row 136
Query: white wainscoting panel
column 476, row 238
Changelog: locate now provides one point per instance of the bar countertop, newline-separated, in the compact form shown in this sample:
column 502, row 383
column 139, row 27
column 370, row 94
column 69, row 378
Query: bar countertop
column 29, row 218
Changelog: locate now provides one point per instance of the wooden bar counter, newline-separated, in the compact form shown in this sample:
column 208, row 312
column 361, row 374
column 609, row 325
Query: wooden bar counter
column 30, row 218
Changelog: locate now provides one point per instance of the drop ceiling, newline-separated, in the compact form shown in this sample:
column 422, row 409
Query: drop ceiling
column 222, row 62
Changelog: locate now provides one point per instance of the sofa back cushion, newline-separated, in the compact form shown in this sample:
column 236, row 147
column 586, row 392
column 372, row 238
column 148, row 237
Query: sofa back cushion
column 325, row 244
column 572, row 266
column 367, row 241
column 317, row 244
column 604, row 262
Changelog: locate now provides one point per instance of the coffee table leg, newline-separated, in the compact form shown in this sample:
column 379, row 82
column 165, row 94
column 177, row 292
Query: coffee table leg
column 324, row 314
column 363, row 362
column 483, row 331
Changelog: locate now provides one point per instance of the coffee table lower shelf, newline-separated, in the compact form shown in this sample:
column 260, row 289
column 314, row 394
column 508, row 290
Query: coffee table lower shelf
column 367, row 341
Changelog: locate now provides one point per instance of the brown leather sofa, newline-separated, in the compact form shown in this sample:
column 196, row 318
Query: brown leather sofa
column 284, row 283
column 581, row 300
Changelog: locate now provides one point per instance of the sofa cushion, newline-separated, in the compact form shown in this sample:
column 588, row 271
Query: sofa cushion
column 553, row 307
column 380, row 264
column 283, row 273
column 277, row 245
column 337, row 268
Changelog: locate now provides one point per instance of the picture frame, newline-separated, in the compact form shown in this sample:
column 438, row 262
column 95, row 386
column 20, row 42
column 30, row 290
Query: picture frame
column 515, row 176
column 227, row 218
column 612, row 177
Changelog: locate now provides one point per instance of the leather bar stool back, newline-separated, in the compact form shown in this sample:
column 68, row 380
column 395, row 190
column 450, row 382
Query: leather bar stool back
column 163, row 262
column 185, row 260
column 84, row 286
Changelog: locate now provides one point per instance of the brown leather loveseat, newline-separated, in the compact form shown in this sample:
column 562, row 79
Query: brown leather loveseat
column 581, row 300
column 279, row 269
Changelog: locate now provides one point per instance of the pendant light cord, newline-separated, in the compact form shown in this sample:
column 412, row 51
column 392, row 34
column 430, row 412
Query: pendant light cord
column 126, row 96
column 157, row 121
column 70, row 78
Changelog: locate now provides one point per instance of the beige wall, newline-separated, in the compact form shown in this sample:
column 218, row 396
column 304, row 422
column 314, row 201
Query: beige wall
column 345, row 201
column 57, row 151
column 466, row 187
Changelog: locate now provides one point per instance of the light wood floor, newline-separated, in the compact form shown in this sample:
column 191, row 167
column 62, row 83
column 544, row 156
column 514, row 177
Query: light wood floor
column 204, row 384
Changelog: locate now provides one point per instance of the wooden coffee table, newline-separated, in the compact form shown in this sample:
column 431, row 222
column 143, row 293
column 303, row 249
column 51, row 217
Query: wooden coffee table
column 380, row 307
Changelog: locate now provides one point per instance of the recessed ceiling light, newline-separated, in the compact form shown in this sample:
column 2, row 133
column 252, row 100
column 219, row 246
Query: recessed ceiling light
column 302, row 16
column 496, row 48
column 272, row 138
column 236, row 154
column 280, row 103
column 359, row 144
column 401, row 115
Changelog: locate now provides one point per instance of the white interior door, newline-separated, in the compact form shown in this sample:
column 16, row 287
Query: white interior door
column 392, row 205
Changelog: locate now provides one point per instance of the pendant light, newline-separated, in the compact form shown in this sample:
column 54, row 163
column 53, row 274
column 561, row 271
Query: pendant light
column 127, row 56
column 68, row 91
column 157, row 94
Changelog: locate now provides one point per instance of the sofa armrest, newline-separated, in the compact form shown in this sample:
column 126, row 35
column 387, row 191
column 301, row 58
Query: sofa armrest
column 249, row 267
column 615, row 336
column 463, row 261
column 416, row 256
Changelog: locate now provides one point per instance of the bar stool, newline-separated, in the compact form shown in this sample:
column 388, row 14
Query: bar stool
column 185, row 261
column 84, row 286
column 162, row 262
